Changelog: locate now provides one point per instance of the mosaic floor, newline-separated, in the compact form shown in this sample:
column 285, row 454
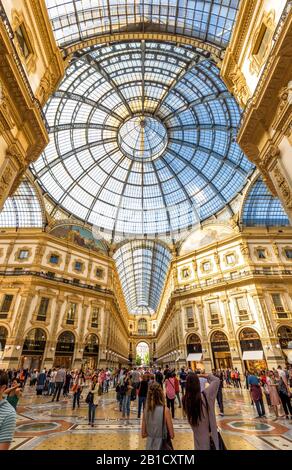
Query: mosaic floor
column 42, row 425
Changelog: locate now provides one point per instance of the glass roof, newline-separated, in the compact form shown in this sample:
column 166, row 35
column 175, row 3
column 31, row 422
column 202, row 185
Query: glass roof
column 142, row 140
column 23, row 209
column 77, row 20
column 142, row 266
column 261, row 208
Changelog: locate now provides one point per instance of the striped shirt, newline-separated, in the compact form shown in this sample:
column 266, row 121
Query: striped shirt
column 7, row 421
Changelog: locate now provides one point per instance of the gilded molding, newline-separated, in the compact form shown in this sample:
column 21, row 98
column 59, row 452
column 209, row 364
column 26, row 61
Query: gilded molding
column 283, row 187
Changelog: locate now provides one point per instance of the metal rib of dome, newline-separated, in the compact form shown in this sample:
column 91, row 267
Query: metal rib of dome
column 188, row 170
column 77, row 20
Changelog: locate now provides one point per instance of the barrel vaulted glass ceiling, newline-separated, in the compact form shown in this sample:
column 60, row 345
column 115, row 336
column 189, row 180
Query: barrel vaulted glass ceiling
column 77, row 20
column 142, row 139
column 142, row 268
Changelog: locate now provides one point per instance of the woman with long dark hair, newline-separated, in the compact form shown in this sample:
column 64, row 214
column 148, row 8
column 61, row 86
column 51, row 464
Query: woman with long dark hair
column 199, row 408
column 157, row 422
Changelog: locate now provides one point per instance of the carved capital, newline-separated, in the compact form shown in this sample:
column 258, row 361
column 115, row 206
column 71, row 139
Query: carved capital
column 285, row 191
column 272, row 153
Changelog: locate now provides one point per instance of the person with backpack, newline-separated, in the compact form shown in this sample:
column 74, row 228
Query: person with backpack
column 170, row 392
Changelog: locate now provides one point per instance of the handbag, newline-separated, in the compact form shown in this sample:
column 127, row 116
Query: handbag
column 166, row 441
column 222, row 445
column 89, row 398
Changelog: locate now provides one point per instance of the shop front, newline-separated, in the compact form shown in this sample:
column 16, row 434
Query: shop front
column 33, row 349
column 285, row 340
column 252, row 350
column 3, row 339
column 221, row 351
column 65, row 350
column 194, row 353
column 91, row 350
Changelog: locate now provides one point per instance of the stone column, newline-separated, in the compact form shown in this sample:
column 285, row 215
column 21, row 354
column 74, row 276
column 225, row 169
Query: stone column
column 14, row 343
column 52, row 342
column 80, row 345
column 207, row 355
column 9, row 171
column 269, row 340
column 234, row 345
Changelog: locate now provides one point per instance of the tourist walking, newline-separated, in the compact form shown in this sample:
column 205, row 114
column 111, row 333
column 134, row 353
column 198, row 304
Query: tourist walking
column 59, row 382
column 94, row 400
column 13, row 393
column 142, row 394
column 272, row 389
column 40, row 384
column 199, row 408
column 256, row 394
column 126, row 403
column 156, row 423
column 7, row 416
column 78, row 383
column 170, row 392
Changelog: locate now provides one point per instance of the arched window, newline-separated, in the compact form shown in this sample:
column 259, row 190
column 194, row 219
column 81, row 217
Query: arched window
column 142, row 326
column 91, row 347
column 194, row 344
column 218, row 337
column 66, row 342
column 285, row 336
column 3, row 337
column 35, row 341
column 250, row 340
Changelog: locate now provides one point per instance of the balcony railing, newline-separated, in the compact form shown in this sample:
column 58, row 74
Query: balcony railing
column 234, row 277
column 48, row 276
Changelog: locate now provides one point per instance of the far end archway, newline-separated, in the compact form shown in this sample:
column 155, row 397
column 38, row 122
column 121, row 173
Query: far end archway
column 142, row 354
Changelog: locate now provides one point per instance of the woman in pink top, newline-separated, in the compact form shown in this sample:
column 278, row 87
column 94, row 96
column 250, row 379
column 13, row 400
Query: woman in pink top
column 170, row 392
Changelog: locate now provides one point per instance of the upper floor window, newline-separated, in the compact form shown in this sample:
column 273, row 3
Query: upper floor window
column 23, row 41
column 190, row 317
column 43, row 308
column 230, row 259
column 261, row 253
column 214, row 313
column 95, row 317
column 206, row 266
column 6, row 305
column 23, row 254
column 99, row 273
column 185, row 273
column 71, row 314
column 242, row 308
column 288, row 253
column 278, row 305
column 54, row 259
column 78, row 266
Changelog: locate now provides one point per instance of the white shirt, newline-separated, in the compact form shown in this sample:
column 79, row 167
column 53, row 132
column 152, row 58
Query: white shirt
column 203, row 382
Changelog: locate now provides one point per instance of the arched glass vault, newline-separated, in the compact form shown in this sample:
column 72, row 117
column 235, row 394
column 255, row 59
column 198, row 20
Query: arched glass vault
column 142, row 266
column 77, row 20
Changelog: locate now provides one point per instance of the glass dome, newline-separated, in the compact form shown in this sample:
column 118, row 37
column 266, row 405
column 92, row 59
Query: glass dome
column 142, row 140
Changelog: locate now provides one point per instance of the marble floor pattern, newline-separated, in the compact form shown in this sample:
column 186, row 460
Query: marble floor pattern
column 43, row 424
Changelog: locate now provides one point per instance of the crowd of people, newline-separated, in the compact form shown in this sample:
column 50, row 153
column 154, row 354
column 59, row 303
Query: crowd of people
column 157, row 392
